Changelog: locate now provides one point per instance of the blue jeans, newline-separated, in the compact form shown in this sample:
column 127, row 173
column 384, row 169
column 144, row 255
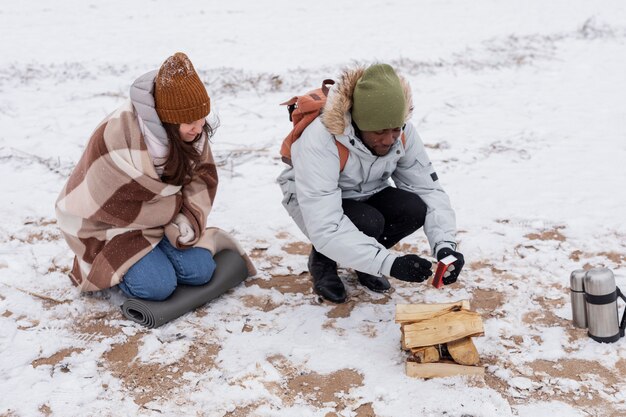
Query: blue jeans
column 155, row 276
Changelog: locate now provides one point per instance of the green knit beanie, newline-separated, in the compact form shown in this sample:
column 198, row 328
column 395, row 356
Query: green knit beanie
column 378, row 100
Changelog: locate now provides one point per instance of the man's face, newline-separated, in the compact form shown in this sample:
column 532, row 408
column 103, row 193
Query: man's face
column 380, row 141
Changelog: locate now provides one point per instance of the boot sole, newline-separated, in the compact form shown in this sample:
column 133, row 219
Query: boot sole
column 328, row 299
column 375, row 290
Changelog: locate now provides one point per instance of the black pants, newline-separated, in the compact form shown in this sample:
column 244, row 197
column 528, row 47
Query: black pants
column 387, row 216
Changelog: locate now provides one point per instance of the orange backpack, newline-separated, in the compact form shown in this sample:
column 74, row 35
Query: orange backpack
column 302, row 111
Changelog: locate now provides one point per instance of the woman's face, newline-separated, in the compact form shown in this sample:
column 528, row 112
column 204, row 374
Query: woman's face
column 189, row 131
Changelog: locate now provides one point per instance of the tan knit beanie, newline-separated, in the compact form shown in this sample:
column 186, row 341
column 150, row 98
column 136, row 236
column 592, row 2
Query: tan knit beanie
column 179, row 95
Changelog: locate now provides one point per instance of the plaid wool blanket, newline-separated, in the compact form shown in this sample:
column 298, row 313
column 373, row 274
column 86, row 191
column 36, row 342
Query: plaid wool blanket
column 114, row 208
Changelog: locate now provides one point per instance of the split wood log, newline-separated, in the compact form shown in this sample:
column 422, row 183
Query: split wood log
column 402, row 341
column 425, row 354
column 441, row 369
column 463, row 351
column 409, row 313
column 450, row 326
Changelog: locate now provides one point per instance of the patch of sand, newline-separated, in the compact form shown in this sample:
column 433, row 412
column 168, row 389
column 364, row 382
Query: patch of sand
column 545, row 316
column 486, row 301
column 284, row 284
column 585, row 385
column 297, row 248
column 259, row 303
column 259, row 253
column 319, row 389
column 97, row 326
column 365, row 410
column 45, row 410
column 615, row 257
column 316, row 389
column 484, row 264
column 546, row 387
column 342, row 310
column 551, row 234
column 247, row 411
column 148, row 382
column 577, row 369
column 56, row 358
column 408, row 248
column 363, row 296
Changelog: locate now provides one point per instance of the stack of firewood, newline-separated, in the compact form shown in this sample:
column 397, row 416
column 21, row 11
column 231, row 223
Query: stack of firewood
column 438, row 338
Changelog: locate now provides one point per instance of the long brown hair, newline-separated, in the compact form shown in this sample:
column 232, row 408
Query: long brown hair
column 183, row 156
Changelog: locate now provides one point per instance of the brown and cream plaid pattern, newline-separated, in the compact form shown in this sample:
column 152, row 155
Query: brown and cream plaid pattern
column 114, row 208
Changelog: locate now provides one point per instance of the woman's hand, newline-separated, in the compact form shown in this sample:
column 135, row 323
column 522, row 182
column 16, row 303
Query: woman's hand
column 184, row 226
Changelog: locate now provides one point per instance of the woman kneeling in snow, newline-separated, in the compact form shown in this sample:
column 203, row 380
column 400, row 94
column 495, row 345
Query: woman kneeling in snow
column 134, row 209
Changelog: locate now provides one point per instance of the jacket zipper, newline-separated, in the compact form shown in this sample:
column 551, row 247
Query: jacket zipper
column 369, row 172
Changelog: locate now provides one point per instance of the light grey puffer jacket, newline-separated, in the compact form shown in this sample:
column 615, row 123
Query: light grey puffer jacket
column 142, row 97
column 314, row 187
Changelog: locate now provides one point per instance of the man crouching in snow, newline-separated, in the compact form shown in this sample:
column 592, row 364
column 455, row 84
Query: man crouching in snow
column 353, row 216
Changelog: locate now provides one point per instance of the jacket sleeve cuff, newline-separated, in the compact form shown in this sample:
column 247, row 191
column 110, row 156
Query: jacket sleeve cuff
column 385, row 268
column 443, row 244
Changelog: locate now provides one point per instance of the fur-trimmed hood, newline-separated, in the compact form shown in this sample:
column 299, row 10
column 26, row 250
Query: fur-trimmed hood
column 336, row 115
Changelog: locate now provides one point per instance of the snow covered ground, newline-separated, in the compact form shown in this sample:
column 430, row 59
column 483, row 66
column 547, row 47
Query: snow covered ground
column 522, row 106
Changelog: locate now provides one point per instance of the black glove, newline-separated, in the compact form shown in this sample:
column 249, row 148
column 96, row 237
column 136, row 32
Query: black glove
column 411, row 268
column 454, row 269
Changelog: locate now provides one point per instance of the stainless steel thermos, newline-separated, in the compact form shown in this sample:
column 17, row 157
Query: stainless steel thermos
column 594, row 304
column 577, row 294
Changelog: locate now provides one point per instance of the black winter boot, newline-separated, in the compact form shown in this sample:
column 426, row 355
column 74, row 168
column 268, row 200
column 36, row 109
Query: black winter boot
column 326, row 282
column 374, row 283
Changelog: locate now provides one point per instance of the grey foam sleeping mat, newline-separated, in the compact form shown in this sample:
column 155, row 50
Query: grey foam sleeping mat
column 230, row 271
